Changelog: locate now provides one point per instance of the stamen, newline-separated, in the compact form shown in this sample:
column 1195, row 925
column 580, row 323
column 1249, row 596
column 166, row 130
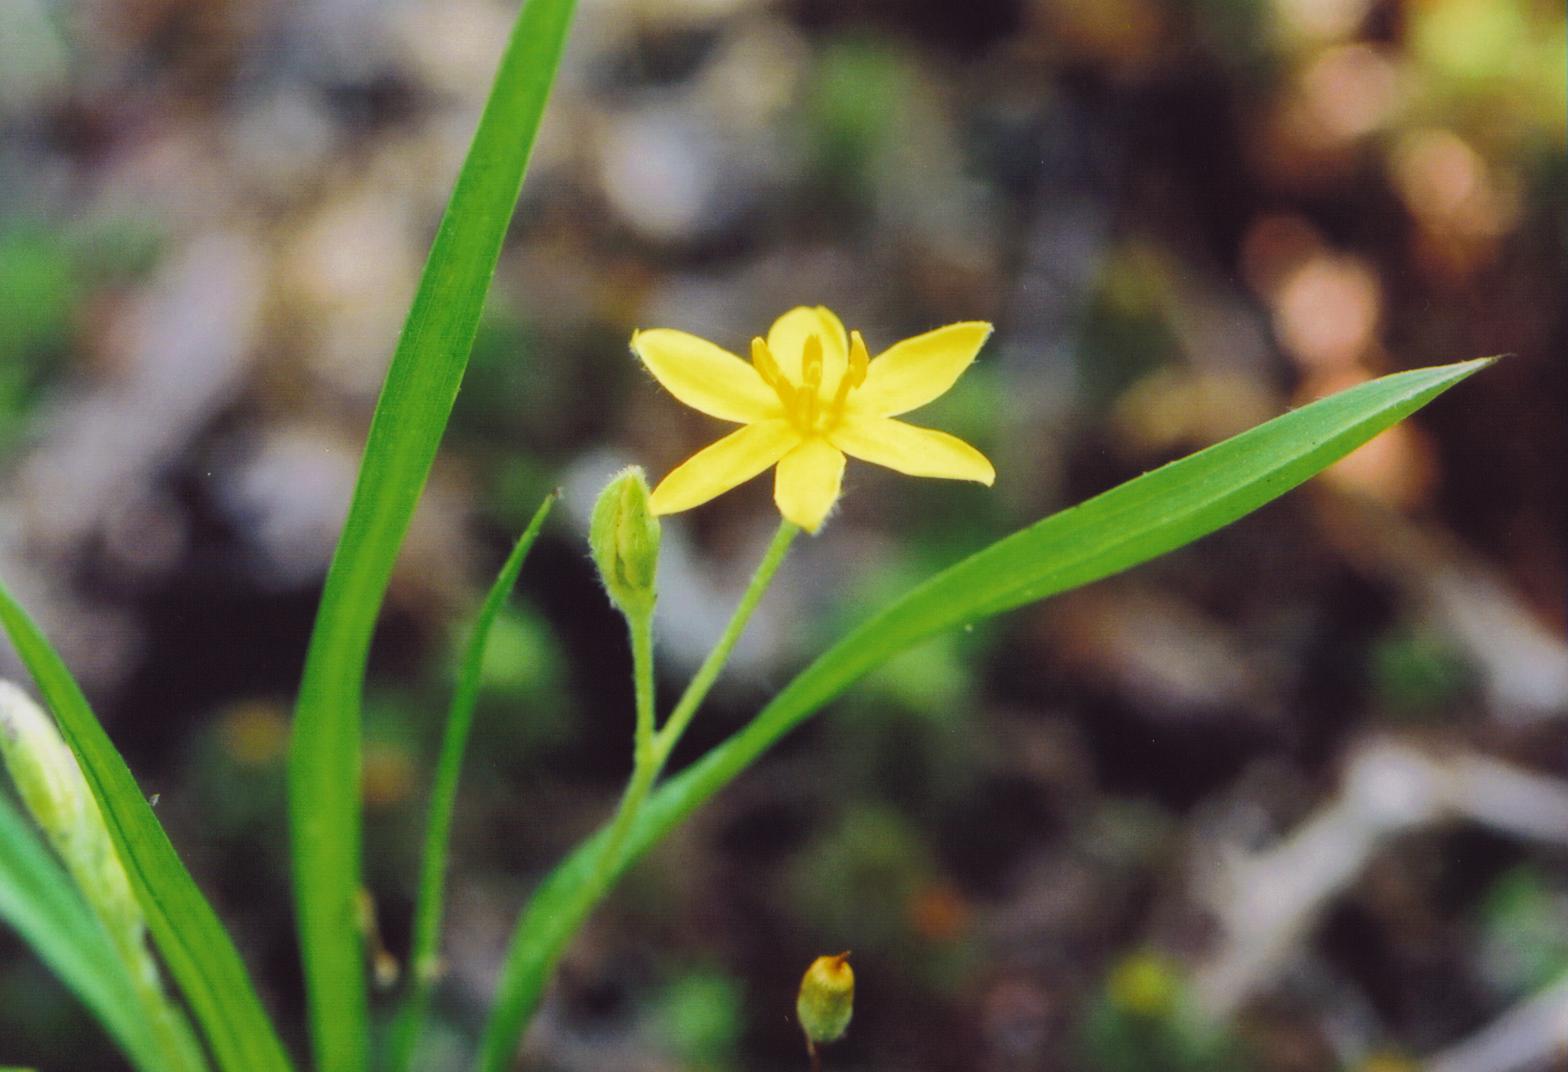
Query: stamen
column 859, row 360
column 836, row 406
column 853, row 377
column 840, row 395
column 767, row 367
column 762, row 361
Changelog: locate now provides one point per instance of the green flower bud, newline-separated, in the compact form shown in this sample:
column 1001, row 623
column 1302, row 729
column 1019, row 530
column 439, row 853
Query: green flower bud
column 827, row 999
column 624, row 539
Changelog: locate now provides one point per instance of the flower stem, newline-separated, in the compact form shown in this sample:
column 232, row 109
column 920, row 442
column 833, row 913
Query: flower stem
column 653, row 747
column 641, row 628
column 708, row 672
column 535, row 950
column 645, row 760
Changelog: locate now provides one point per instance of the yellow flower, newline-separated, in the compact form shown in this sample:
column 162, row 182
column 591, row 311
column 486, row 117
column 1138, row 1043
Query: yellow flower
column 810, row 395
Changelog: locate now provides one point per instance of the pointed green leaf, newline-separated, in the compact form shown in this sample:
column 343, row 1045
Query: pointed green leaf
column 38, row 901
column 424, row 952
column 410, row 416
column 1132, row 523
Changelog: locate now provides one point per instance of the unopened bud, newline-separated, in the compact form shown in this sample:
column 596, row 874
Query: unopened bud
column 52, row 788
column 624, row 538
column 827, row 999
column 46, row 776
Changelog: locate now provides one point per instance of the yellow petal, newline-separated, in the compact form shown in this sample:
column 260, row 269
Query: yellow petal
column 807, row 483
column 787, row 340
column 706, row 377
column 913, row 372
column 912, row 450
column 720, row 466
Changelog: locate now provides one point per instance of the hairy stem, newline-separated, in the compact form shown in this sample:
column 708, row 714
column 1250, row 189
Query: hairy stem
column 708, row 672
column 575, row 890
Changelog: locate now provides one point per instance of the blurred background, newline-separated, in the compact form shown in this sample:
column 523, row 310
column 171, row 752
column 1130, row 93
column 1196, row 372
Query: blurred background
column 1294, row 798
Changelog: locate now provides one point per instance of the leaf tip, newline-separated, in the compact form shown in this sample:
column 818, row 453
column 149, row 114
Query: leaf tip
column 1475, row 365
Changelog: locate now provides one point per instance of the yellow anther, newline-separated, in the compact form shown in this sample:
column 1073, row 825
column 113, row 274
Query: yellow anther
column 762, row 360
column 853, row 377
column 836, row 406
column 859, row 360
column 767, row 367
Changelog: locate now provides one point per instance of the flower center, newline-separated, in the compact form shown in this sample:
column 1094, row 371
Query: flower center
column 805, row 405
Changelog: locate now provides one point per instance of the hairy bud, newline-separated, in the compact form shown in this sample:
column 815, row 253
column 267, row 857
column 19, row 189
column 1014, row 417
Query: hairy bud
column 624, row 538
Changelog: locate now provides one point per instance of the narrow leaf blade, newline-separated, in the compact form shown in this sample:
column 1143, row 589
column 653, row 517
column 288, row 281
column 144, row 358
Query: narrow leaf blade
column 424, row 947
column 1128, row 525
column 410, row 416
column 39, row 902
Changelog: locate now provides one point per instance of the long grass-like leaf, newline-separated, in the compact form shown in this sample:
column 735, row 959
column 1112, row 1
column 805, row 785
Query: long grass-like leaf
column 1132, row 523
column 424, row 957
column 410, row 416
column 196, row 947
column 38, row 901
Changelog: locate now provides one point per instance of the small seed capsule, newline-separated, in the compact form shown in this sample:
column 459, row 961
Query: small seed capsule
column 827, row 999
